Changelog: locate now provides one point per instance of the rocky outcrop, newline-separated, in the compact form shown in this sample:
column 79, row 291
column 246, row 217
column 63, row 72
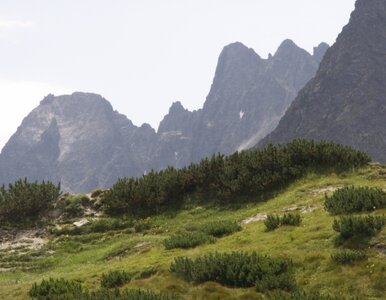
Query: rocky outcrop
column 77, row 140
column 248, row 97
column 346, row 101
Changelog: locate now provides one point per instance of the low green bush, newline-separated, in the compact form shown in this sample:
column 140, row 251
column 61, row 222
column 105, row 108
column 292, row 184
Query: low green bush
column 56, row 289
column 23, row 201
column 126, row 295
column 355, row 199
column 61, row 289
column 358, row 226
column 187, row 240
column 291, row 219
column 115, row 279
column 220, row 228
column 237, row 269
column 346, row 257
column 300, row 295
column 274, row 221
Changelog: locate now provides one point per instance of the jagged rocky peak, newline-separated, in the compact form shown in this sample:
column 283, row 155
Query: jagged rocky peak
column 345, row 102
column 76, row 139
column 235, row 57
column 320, row 51
column 287, row 47
column 178, row 119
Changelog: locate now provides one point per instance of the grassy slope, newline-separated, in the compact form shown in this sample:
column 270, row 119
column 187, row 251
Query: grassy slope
column 309, row 245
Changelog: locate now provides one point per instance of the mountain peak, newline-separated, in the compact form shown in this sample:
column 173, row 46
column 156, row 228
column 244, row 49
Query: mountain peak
column 345, row 101
column 319, row 51
column 176, row 108
column 288, row 48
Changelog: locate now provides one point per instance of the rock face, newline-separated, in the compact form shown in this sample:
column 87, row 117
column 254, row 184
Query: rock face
column 82, row 142
column 248, row 97
column 346, row 101
column 78, row 140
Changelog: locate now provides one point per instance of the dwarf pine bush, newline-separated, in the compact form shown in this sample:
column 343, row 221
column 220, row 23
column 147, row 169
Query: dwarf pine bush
column 115, row 279
column 227, row 179
column 355, row 199
column 237, row 269
column 345, row 257
column 274, row 221
column 187, row 240
column 358, row 226
column 25, row 200
column 220, row 228
column 56, row 289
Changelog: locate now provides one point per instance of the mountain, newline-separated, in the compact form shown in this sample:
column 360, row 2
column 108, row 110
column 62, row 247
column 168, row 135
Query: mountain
column 82, row 142
column 345, row 102
column 247, row 98
column 78, row 140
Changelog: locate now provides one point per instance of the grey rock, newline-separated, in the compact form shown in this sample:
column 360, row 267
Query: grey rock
column 248, row 97
column 77, row 140
column 345, row 102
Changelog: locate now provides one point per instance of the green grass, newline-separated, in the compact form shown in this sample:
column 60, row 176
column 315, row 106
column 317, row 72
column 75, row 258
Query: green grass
column 86, row 257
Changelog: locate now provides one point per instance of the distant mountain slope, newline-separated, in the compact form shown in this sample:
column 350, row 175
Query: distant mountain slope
column 346, row 101
column 248, row 97
column 80, row 141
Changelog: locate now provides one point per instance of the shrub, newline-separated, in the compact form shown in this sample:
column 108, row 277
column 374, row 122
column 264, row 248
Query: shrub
column 272, row 222
column 301, row 295
column 355, row 199
column 358, row 226
column 237, row 269
column 56, row 289
column 115, row 279
column 220, row 228
column 242, row 175
column 25, row 200
column 346, row 257
column 291, row 219
column 126, row 295
column 187, row 240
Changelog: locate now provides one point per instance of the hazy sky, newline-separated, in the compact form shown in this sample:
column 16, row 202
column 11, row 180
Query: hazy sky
column 141, row 55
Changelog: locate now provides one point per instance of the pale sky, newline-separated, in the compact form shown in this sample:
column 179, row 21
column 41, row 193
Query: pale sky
column 141, row 55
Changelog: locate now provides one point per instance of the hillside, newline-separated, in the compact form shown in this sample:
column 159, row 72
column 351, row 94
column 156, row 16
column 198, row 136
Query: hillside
column 345, row 101
column 138, row 247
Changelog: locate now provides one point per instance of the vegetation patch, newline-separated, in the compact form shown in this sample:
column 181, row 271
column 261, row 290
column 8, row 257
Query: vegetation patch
column 228, row 179
column 274, row 221
column 115, row 279
column 358, row 226
column 347, row 256
column 61, row 289
column 56, row 289
column 301, row 295
column 355, row 199
column 220, row 228
column 23, row 200
column 237, row 269
column 187, row 240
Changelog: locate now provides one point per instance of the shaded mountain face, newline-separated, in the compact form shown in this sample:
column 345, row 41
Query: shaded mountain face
column 82, row 142
column 78, row 140
column 248, row 97
column 346, row 101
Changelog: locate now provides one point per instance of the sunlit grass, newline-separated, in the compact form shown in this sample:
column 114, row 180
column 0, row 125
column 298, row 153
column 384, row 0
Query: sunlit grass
column 87, row 257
